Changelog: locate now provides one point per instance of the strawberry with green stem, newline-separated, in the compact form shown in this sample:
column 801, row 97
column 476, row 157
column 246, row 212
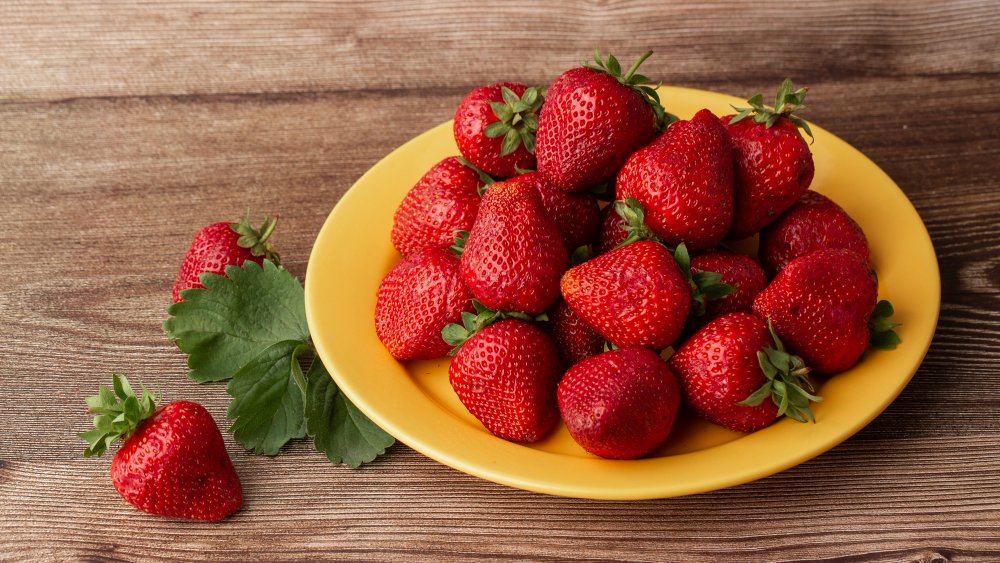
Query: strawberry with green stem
column 495, row 127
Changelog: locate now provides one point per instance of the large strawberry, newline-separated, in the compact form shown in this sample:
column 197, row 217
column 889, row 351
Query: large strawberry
column 224, row 244
column 575, row 339
column 773, row 164
column 495, row 127
column 821, row 305
column 684, row 181
column 444, row 201
column 416, row 300
column 633, row 295
column 577, row 216
column 593, row 119
column 172, row 461
column 514, row 255
column 621, row 404
column 741, row 272
column 815, row 222
column 736, row 373
column 506, row 376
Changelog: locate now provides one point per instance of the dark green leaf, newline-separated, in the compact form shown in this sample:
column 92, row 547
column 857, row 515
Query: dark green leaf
column 614, row 66
column 511, row 141
column 502, row 111
column 496, row 129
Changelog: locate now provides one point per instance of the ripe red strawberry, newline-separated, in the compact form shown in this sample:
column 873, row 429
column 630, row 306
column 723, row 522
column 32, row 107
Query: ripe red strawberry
column 814, row 223
column 741, row 272
column 821, row 305
column 575, row 339
column 736, row 374
column 635, row 295
column 443, row 202
column 416, row 300
column 612, row 232
column 495, row 127
column 592, row 120
column 773, row 164
column 684, row 181
column 506, row 376
column 621, row 404
column 172, row 461
column 514, row 255
column 224, row 244
column 577, row 216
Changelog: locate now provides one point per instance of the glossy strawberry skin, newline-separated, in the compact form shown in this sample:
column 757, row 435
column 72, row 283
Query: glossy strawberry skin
column 589, row 125
column 820, row 305
column 514, row 255
column 506, row 376
column 416, row 299
column 445, row 200
column 718, row 368
column 737, row 270
column 774, row 167
column 176, row 465
column 213, row 249
column 612, row 234
column 632, row 296
column 472, row 118
column 577, row 216
column 815, row 222
column 684, row 181
column 620, row 404
column 575, row 339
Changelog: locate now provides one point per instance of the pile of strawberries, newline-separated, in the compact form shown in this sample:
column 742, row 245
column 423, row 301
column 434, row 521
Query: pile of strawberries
column 555, row 308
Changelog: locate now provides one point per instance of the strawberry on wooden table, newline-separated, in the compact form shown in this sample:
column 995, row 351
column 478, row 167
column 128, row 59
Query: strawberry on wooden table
column 495, row 127
column 172, row 460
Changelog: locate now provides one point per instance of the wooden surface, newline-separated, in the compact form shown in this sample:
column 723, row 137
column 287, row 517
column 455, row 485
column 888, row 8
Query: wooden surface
column 126, row 126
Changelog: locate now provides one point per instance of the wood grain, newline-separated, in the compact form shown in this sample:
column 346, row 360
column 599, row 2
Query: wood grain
column 126, row 126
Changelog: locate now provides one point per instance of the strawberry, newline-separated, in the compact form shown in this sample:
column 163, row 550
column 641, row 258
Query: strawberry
column 443, row 202
column 621, row 404
column 821, row 305
column 733, row 365
column 574, row 338
column 815, row 222
column 593, row 119
column 224, row 244
column 416, row 299
column 172, row 461
column 577, row 216
column 612, row 232
column 495, row 127
column 506, row 376
column 741, row 272
column 633, row 295
column 773, row 164
column 684, row 181
column 514, row 255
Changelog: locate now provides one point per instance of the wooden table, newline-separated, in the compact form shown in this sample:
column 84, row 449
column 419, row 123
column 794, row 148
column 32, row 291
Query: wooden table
column 125, row 127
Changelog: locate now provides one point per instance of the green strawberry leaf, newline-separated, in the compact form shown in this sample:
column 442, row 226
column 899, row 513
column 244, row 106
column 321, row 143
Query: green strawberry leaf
column 119, row 414
column 337, row 427
column 883, row 329
column 225, row 325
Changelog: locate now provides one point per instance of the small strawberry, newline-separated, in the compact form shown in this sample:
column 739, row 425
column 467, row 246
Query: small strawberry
column 593, row 119
column 633, row 295
column 733, row 365
column 741, row 272
column 224, row 244
column 506, row 376
column 416, row 300
column 621, row 404
column 577, row 216
column 514, row 255
column 773, row 164
column 172, row 461
column 821, row 305
column 815, row 222
column 684, row 181
column 444, row 201
column 574, row 338
column 495, row 127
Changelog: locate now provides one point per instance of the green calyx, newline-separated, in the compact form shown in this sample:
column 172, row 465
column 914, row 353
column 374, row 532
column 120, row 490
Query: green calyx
column 705, row 286
column 581, row 255
column 634, row 215
column 457, row 334
column 461, row 237
column 883, row 333
column 256, row 239
column 635, row 81
column 518, row 119
column 787, row 383
column 118, row 414
column 788, row 101
column 485, row 178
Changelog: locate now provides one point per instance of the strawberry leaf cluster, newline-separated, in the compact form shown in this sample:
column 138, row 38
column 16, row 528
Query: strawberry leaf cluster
column 518, row 119
column 118, row 413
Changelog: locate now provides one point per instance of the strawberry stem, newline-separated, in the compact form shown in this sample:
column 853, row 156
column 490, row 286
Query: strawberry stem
column 788, row 101
column 119, row 414
column 786, row 382
column 256, row 240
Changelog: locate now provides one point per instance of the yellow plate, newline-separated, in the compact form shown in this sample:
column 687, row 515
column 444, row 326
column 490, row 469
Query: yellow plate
column 415, row 403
